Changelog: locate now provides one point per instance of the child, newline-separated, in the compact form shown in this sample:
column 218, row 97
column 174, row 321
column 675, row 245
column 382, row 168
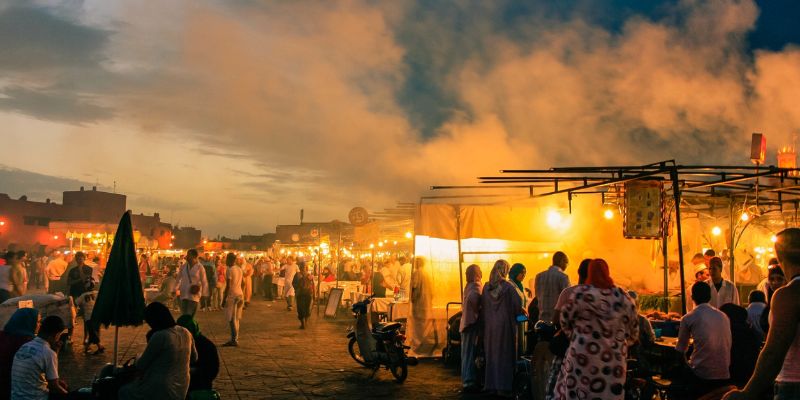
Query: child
column 91, row 329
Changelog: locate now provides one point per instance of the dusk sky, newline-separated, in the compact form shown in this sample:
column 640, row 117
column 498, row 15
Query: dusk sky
column 231, row 116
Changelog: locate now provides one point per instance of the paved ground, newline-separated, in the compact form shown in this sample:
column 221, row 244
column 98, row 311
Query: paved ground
column 276, row 360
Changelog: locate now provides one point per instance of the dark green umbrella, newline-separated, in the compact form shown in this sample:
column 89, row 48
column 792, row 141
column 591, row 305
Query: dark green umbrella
column 120, row 300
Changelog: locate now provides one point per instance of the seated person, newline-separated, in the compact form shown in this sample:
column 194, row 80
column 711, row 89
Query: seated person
column 34, row 373
column 709, row 364
column 327, row 276
column 745, row 344
column 758, row 303
column 20, row 329
column 203, row 371
column 646, row 336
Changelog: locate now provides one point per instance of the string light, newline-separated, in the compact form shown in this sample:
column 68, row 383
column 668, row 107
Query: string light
column 408, row 235
column 716, row 231
column 745, row 216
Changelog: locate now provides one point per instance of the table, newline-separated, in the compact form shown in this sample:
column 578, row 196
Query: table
column 150, row 294
column 349, row 289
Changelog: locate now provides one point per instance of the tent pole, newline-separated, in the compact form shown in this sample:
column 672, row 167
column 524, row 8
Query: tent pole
column 116, row 345
column 460, row 255
column 664, row 253
column 676, row 193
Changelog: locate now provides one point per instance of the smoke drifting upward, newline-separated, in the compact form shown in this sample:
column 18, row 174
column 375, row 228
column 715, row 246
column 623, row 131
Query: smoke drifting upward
column 323, row 88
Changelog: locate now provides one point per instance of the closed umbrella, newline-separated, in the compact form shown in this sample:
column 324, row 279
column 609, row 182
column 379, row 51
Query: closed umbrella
column 120, row 300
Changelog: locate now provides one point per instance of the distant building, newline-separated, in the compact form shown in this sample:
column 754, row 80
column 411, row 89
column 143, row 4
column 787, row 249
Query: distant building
column 87, row 219
column 186, row 238
column 310, row 232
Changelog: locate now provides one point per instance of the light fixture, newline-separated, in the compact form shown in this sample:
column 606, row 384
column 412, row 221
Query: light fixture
column 408, row 235
column 55, row 237
column 372, row 245
column 745, row 216
column 2, row 223
column 773, row 238
column 716, row 231
column 553, row 219
column 608, row 213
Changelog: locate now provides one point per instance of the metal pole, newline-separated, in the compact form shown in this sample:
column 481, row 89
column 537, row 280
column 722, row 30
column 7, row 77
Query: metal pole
column 676, row 193
column 664, row 253
column 460, row 255
column 731, row 247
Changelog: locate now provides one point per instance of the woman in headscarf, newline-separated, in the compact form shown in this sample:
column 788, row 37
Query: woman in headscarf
column 203, row 371
column 164, row 365
column 500, row 306
column 516, row 275
column 470, row 328
column 303, row 284
column 20, row 329
column 601, row 321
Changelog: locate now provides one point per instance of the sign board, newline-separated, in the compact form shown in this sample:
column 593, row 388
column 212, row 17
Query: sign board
column 26, row 304
column 644, row 204
column 758, row 149
column 334, row 298
column 314, row 232
column 358, row 216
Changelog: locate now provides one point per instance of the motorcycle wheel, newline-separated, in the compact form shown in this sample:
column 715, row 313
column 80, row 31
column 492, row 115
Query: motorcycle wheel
column 355, row 352
column 400, row 370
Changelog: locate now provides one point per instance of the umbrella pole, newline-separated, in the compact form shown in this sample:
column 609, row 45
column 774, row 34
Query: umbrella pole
column 116, row 344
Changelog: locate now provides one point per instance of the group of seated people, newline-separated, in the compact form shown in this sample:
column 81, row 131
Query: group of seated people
column 177, row 361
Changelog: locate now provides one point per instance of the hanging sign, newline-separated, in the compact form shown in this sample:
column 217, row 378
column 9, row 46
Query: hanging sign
column 644, row 203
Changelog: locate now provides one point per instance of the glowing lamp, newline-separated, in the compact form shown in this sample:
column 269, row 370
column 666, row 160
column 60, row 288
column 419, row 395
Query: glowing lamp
column 55, row 237
column 745, row 216
column 608, row 214
column 173, row 236
column 408, row 235
column 372, row 245
column 773, row 238
column 380, row 244
column 2, row 223
column 716, row 231
column 170, row 245
column 89, row 235
column 553, row 219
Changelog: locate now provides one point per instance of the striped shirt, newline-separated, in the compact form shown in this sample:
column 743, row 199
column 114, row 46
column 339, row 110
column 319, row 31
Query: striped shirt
column 548, row 287
column 34, row 364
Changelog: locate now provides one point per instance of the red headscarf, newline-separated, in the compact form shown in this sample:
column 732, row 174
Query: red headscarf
column 598, row 275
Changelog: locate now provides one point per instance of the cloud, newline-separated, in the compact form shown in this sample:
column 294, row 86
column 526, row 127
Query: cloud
column 54, row 105
column 36, row 186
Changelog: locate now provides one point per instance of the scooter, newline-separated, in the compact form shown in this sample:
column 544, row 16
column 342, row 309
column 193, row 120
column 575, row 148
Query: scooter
column 381, row 346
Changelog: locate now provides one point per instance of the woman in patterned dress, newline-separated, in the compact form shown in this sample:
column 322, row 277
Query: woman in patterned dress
column 600, row 320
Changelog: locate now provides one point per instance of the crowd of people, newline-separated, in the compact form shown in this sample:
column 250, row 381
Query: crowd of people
column 581, row 338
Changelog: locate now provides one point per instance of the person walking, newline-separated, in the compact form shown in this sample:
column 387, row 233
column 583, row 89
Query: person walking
column 211, row 277
column 192, row 283
column 5, row 275
column 470, row 329
column 219, row 289
column 288, row 275
column 303, row 285
column 500, row 306
column 266, row 282
column 601, row 322
column 55, row 268
column 234, row 298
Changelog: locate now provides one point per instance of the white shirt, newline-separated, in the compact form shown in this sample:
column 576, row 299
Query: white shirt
column 34, row 364
column 289, row 272
column 235, row 275
column 196, row 276
column 86, row 303
column 711, row 332
column 727, row 294
column 55, row 269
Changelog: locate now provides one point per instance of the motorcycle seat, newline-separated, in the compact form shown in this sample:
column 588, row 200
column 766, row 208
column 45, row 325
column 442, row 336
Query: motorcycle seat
column 386, row 327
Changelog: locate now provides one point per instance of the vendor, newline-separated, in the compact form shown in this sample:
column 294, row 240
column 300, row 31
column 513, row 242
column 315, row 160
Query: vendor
column 327, row 276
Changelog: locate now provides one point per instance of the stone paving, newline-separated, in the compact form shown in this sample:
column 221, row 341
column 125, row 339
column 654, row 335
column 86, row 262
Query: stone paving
column 276, row 360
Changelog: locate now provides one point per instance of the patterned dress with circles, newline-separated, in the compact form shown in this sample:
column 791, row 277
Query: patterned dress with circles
column 601, row 324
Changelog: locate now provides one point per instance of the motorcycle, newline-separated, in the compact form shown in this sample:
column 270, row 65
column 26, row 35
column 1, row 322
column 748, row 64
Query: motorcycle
column 381, row 346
